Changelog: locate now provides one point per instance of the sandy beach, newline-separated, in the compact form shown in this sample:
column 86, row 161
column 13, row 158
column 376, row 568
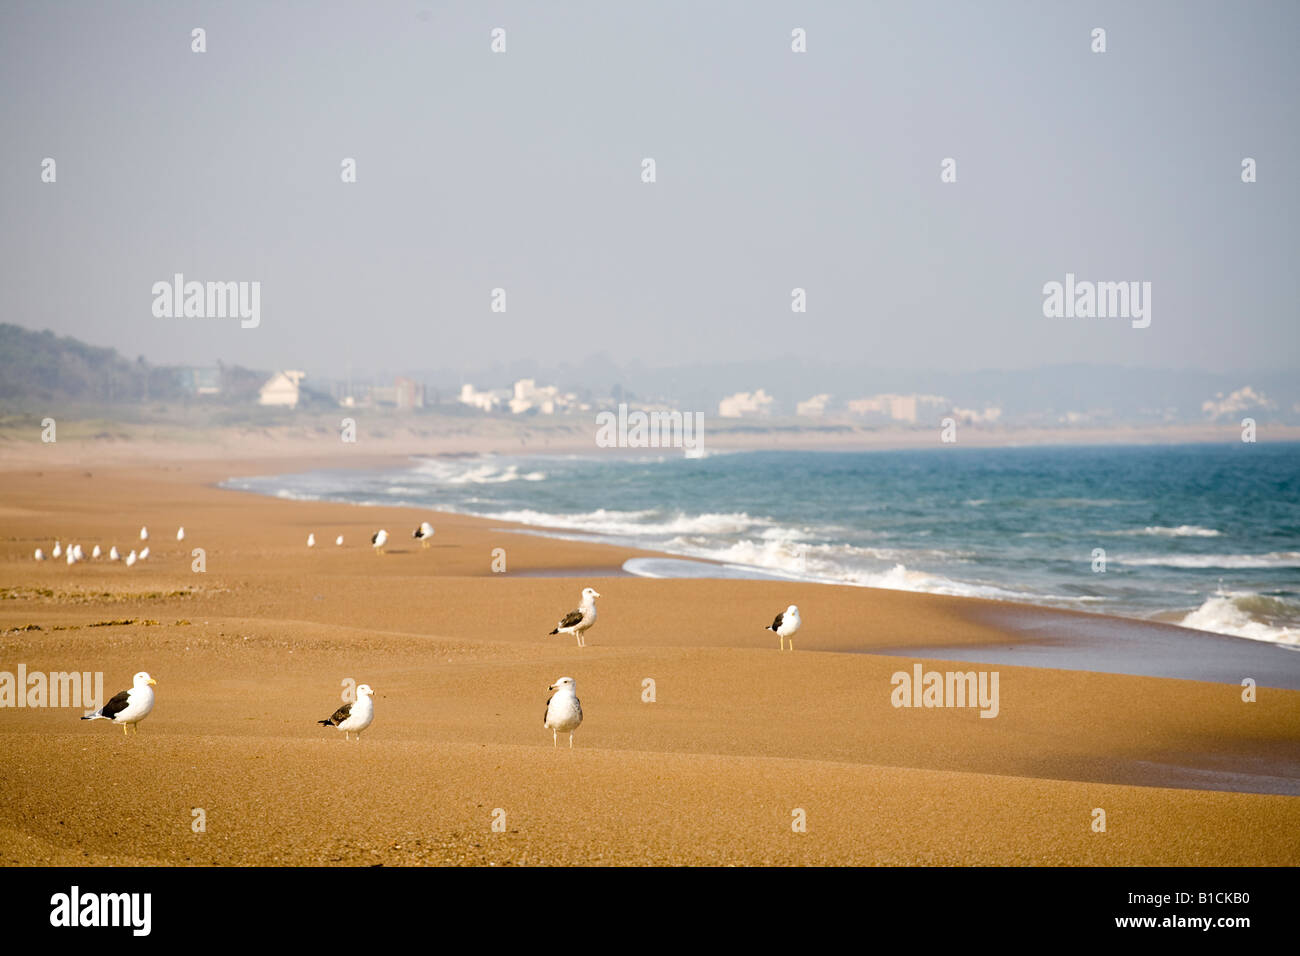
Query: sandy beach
column 740, row 743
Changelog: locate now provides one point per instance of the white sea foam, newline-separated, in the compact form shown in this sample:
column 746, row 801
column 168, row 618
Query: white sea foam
column 604, row 521
column 1273, row 559
column 1231, row 613
column 1182, row 531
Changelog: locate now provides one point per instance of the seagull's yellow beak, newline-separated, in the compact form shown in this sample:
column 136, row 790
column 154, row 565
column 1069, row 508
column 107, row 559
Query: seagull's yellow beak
column 152, row 681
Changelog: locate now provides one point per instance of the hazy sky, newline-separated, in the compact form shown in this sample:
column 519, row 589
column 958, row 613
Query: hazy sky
column 522, row 170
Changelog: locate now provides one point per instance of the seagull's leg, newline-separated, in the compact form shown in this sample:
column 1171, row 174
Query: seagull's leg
column 124, row 726
column 555, row 738
column 570, row 741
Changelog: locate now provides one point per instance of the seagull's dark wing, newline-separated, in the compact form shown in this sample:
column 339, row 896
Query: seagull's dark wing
column 340, row 715
column 777, row 623
column 116, row 705
column 572, row 618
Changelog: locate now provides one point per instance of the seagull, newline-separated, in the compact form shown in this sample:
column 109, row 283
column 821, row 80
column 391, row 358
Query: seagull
column 145, row 553
column 130, row 558
column 311, row 540
column 72, row 557
column 40, row 555
column 423, row 534
column 563, row 710
column 339, row 541
column 379, row 539
column 112, row 553
column 77, row 553
column 144, row 533
column 96, row 553
column 129, row 707
column 180, row 533
column 356, row 716
column 581, row 618
column 58, row 550
column 786, row 625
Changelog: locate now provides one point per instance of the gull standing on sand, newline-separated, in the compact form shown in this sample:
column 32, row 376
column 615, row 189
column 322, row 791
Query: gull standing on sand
column 563, row 710
column 354, row 717
column 311, row 540
column 129, row 707
column 113, row 554
column 72, row 557
column 58, row 550
column 578, row 621
column 180, row 533
column 379, row 539
column 130, row 558
column 40, row 555
column 339, row 541
column 786, row 625
column 96, row 553
column 145, row 553
column 423, row 534
column 144, row 533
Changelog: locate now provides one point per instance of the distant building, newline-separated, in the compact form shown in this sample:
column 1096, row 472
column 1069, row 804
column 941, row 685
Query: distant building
column 404, row 394
column 487, row 401
column 283, row 388
column 199, row 381
column 745, row 403
column 814, row 407
column 898, row 408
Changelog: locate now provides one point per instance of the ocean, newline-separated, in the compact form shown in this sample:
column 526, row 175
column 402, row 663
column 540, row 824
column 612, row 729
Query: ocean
column 1207, row 536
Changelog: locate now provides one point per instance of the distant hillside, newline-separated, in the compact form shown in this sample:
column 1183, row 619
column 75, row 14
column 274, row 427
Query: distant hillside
column 44, row 367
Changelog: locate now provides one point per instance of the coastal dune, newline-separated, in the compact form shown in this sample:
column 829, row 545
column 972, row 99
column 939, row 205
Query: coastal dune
column 745, row 755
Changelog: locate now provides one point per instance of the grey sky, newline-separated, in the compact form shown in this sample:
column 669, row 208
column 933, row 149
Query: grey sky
column 775, row 170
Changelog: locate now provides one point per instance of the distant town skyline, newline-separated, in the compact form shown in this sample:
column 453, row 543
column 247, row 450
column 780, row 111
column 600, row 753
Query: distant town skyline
column 664, row 185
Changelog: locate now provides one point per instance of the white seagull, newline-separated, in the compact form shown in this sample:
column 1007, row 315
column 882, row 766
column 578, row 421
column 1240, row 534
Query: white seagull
column 339, row 541
column 58, row 550
column 130, row 558
column 144, row 533
column 578, row 621
column 379, row 539
column 40, row 555
column 423, row 533
column 96, row 553
column 356, row 716
column 77, row 552
column 180, row 533
column 129, row 707
column 145, row 553
column 563, row 710
column 72, row 557
column 112, row 553
column 311, row 540
column 786, row 625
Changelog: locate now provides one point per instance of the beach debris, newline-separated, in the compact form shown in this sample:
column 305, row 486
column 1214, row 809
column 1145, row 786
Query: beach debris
column 354, row 716
column 786, row 625
column 563, row 709
column 128, row 707
column 578, row 621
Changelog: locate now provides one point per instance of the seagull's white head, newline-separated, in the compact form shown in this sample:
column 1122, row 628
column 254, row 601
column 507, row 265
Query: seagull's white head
column 792, row 610
column 589, row 595
column 363, row 690
column 143, row 679
column 565, row 683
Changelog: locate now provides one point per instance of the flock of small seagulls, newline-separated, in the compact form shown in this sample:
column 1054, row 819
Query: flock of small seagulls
column 75, row 554
column 563, row 709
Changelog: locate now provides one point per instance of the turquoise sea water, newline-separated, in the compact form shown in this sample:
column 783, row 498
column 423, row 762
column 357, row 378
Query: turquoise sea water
column 1203, row 535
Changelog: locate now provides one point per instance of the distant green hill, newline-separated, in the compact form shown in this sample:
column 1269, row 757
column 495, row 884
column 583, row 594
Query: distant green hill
column 44, row 367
